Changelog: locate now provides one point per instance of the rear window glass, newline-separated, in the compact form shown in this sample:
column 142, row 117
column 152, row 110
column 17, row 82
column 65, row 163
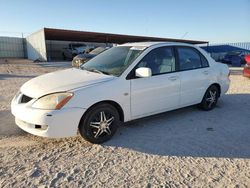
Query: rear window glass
column 188, row 58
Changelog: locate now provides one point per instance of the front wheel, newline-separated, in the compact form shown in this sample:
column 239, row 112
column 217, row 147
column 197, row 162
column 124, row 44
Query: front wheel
column 210, row 98
column 99, row 124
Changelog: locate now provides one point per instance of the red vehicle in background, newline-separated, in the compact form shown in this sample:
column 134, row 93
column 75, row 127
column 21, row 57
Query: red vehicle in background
column 246, row 70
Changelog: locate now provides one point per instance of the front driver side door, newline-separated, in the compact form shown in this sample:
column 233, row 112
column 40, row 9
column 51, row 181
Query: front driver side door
column 161, row 91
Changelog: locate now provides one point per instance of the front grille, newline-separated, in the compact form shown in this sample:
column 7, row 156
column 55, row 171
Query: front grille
column 25, row 99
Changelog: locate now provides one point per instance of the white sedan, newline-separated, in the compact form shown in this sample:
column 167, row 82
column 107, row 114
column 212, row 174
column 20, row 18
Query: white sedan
column 124, row 83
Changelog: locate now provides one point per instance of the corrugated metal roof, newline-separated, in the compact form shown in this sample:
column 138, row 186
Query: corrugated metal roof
column 228, row 47
column 242, row 45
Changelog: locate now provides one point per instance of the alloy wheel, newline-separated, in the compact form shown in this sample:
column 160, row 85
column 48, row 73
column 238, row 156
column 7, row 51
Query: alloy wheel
column 101, row 124
column 211, row 98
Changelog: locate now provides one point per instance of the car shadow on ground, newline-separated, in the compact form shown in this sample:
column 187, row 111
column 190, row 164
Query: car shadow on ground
column 222, row 132
column 8, row 126
column 236, row 72
column 8, row 76
column 61, row 64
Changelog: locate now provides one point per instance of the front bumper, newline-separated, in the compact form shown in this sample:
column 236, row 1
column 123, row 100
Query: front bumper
column 47, row 123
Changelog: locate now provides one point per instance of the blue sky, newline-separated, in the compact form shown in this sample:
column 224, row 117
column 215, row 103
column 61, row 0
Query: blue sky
column 213, row 20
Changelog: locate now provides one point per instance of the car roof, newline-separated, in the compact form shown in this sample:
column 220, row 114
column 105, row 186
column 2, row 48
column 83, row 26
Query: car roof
column 148, row 44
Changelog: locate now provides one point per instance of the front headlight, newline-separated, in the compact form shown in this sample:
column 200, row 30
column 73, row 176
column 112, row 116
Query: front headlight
column 53, row 101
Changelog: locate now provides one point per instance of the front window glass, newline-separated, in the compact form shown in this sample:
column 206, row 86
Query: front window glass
column 160, row 60
column 113, row 61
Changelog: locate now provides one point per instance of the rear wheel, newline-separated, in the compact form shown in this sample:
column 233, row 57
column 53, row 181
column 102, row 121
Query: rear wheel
column 210, row 98
column 99, row 124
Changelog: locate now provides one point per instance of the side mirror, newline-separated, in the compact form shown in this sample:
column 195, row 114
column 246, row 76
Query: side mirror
column 143, row 72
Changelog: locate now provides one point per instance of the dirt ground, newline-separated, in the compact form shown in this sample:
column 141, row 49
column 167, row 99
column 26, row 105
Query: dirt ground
column 182, row 148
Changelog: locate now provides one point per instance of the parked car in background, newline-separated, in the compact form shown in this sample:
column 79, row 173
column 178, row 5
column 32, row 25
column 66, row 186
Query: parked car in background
column 121, row 84
column 74, row 49
column 236, row 57
column 84, row 57
column 246, row 70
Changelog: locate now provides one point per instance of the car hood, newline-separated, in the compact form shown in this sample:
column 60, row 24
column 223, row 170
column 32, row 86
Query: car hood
column 63, row 80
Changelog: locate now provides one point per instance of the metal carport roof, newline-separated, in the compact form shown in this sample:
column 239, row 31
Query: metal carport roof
column 86, row 36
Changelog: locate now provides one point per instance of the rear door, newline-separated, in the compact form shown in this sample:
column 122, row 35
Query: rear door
column 194, row 75
column 161, row 91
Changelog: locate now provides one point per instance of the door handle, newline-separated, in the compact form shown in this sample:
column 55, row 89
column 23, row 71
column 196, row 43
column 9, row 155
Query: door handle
column 173, row 78
column 205, row 72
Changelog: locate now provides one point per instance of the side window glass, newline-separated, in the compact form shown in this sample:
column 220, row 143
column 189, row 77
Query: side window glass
column 204, row 61
column 160, row 61
column 188, row 58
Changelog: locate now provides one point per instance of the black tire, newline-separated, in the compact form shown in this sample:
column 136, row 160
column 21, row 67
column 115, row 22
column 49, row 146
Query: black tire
column 90, row 133
column 210, row 98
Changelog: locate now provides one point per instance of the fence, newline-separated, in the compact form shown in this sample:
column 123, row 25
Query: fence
column 12, row 47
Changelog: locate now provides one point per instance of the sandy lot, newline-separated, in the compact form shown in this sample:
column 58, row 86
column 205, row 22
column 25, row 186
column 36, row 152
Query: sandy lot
column 182, row 148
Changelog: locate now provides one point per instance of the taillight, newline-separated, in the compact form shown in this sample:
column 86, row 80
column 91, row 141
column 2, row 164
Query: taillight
column 247, row 58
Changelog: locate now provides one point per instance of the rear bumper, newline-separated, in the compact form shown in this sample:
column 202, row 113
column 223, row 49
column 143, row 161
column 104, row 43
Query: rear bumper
column 47, row 123
column 225, row 84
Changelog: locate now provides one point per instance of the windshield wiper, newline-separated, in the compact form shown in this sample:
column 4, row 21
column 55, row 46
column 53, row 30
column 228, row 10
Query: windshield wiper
column 91, row 70
column 107, row 73
column 97, row 71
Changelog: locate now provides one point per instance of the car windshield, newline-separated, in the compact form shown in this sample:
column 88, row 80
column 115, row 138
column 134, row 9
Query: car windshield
column 113, row 61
